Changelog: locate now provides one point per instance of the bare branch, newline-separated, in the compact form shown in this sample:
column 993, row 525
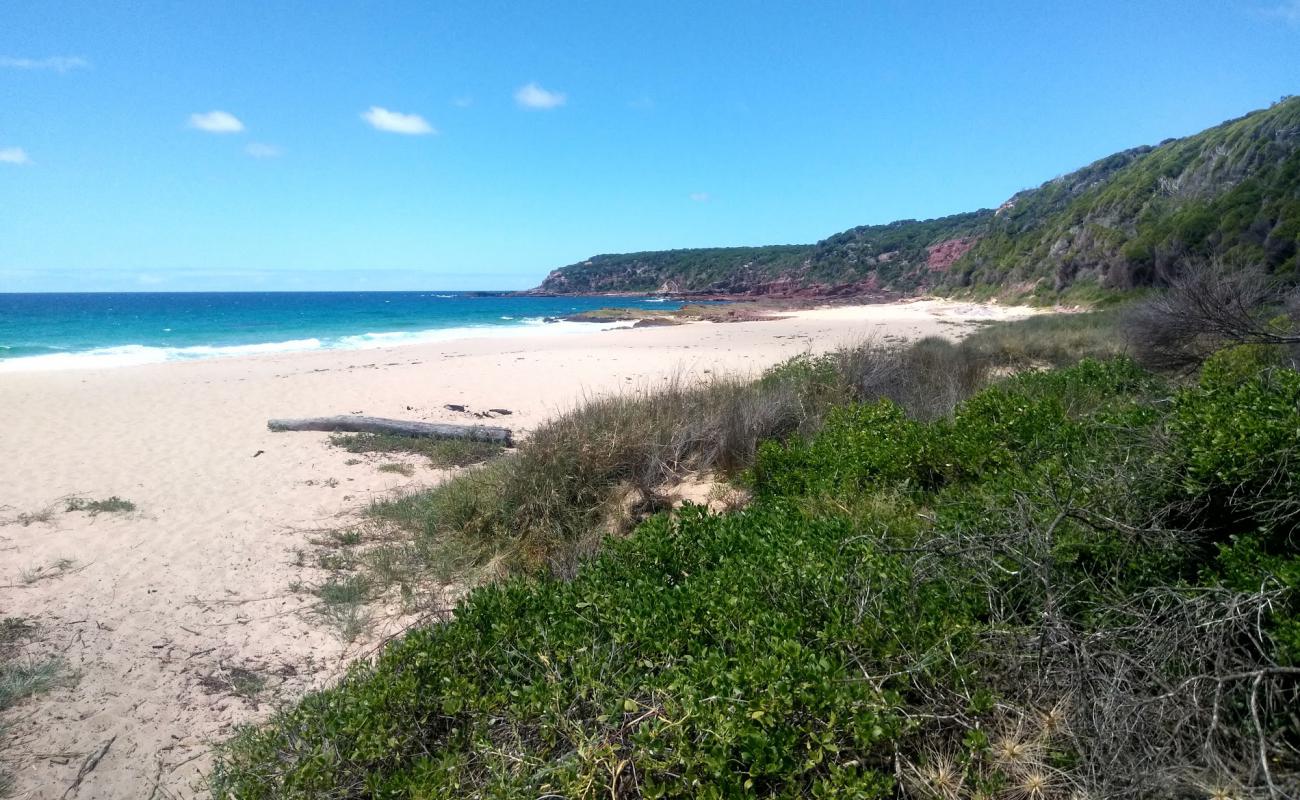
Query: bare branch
column 1209, row 305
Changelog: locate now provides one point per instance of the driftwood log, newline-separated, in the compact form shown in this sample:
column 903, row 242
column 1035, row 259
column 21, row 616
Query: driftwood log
column 396, row 427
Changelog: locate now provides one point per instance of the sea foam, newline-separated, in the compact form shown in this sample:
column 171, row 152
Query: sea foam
column 138, row 355
column 134, row 355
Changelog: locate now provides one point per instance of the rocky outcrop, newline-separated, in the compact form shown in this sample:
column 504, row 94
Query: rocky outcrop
column 945, row 254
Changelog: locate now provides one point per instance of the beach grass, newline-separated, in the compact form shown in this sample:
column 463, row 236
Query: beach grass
column 23, row 678
column 40, row 572
column 343, row 601
column 440, row 453
column 1051, row 339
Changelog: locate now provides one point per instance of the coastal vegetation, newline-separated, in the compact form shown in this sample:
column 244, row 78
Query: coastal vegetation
column 439, row 453
column 605, row 465
column 1230, row 192
column 1021, row 565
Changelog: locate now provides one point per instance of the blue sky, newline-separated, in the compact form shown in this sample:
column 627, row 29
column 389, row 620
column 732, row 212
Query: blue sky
column 478, row 145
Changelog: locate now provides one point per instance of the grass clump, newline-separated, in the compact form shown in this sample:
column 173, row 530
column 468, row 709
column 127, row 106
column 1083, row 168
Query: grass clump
column 22, row 676
column 343, row 601
column 109, row 505
column 55, row 569
column 348, row 590
column 441, row 453
column 28, row 518
column 397, row 468
column 1050, row 339
column 233, row 679
column 1075, row 582
column 546, row 506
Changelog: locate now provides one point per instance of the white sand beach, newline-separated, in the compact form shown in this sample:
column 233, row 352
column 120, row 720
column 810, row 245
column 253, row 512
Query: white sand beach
column 152, row 610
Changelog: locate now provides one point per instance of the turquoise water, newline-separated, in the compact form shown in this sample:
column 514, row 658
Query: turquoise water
column 68, row 331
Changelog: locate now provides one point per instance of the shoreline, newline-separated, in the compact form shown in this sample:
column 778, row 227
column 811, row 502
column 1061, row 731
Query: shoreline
column 210, row 576
column 137, row 355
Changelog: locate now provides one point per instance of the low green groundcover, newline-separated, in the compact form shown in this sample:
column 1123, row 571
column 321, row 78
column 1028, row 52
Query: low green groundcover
column 840, row 634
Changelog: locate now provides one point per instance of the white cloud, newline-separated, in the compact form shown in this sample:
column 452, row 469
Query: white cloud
column 700, row 197
column 534, row 96
column 216, row 122
column 1288, row 12
column 260, row 150
column 381, row 119
column 55, row 63
column 14, row 155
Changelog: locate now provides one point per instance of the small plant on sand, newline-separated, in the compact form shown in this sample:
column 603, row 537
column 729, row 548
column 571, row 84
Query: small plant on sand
column 342, row 604
column 33, row 517
column 54, row 569
column 396, row 468
column 347, row 537
column 236, row 680
column 22, row 677
column 342, row 591
column 110, row 505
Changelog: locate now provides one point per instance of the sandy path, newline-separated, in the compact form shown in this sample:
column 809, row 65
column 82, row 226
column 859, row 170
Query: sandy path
column 159, row 602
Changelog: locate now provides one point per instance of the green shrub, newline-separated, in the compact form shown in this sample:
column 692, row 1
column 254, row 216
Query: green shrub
column 858, row 445
column 1238, row 364
column 1240, row 436
column 904, row 600
column 1015, row 422
column 634, row 673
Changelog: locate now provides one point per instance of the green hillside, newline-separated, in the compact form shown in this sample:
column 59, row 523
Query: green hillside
column 676, row 270
column 1121, row 222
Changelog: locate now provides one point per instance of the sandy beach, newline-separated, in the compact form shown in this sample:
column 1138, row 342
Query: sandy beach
column 154, row 611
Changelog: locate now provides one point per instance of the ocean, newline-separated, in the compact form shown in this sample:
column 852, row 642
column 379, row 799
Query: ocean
column 72, row 331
